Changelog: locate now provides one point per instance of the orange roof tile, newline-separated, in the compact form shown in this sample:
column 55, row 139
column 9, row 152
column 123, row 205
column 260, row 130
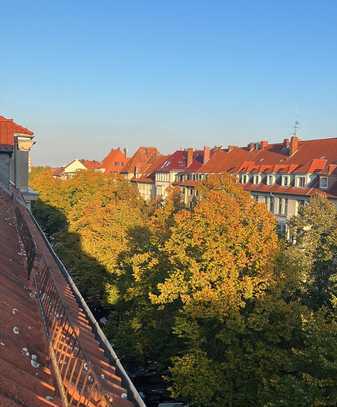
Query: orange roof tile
column 91, row 164
column 8, row 128
column 26, row 375
column 150, row 170
column 311, row 156
column 115, row 161
column 141, row 158
column 178, row 161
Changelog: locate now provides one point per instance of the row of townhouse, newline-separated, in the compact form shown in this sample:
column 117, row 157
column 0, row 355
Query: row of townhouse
column 282, row 175
column 116, row 162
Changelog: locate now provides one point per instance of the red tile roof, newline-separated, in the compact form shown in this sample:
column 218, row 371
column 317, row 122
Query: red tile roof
column 8, row 128
column 21, row 334
column 313, row 156
column 26, row 374
column 114, row 161
column 91, row 164
column 150, row 170
column 178, row 161
column 140, row 160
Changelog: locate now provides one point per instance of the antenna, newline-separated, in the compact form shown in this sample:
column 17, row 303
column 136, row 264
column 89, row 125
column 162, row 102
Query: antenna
column 296, row 127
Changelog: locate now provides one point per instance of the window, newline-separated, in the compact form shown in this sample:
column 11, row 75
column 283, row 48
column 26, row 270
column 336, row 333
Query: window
column 283, row 206
column 270, row 203
column 323, row 182
column 285, row 181
column 299, row 206
column 270, row 179
column 244, row 178
column 256, row 179
column 300, row 182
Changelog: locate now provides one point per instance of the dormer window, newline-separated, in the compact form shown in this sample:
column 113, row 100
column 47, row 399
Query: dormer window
column 270, row 179
column 285, row 180
column 323, row 182
column 300, row 182
column 244, row 179
column 256, row 179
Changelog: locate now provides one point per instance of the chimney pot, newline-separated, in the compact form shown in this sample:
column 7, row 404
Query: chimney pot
column 263, row 144
column 286, row 143
column 293, row 145
column 206, row 155
column 189, row 156
column 251, row 146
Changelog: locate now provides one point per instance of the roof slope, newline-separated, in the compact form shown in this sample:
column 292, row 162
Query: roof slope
column 21, row 336
column 141, row 158
column 91, row 164
column 114, row 161
column 178, row 161
column 8, row 128
column 310, row 156
column 150, row 169
column 28, row 380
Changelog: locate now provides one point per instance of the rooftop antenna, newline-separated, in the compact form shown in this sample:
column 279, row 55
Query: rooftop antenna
column 296, row 127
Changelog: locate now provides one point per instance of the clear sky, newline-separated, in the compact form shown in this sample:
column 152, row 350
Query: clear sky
column 86, row 76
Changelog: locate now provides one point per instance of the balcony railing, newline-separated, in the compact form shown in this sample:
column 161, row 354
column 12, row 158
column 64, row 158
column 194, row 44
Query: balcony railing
column 81, row 385
column 77, row 379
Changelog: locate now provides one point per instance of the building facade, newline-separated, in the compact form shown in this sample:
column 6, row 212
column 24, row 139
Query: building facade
column 69, row 170
column 282, row 175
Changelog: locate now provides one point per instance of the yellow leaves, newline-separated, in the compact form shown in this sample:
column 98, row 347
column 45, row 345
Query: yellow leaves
column 220, row 252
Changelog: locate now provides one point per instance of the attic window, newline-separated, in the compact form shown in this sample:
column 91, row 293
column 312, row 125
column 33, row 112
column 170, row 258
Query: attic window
column 323, row 182
column 244, row 179
column 270, row 179
column 256, row 179
column 285, row 180
column 300, row 182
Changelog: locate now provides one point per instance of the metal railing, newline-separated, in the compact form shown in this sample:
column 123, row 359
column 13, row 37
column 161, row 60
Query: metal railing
column 132, row 392
column 81, row 384
column 27, row 240
column 78, row 383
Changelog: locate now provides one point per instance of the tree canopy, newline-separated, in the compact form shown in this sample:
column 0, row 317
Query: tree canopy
column 209, row 297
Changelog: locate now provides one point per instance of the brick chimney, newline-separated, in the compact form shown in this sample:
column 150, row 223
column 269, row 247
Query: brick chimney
column 125, row 151
column 189, row 156
column 206, row 155
column 294, row 141
column 285, row 143
column 263, row 144
column 251, row 146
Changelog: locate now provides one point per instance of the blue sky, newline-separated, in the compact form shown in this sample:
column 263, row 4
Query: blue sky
column 90, row 75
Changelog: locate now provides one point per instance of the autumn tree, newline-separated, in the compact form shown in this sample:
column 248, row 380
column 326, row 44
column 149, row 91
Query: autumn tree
column 197, row 270
column 313, row 252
